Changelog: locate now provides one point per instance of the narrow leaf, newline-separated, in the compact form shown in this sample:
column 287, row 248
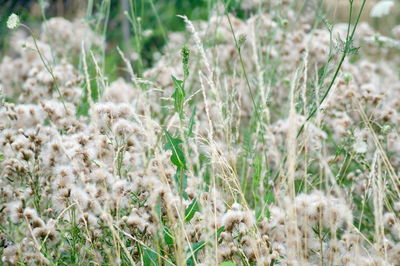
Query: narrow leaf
column 227, row 263
column 178, row 95
column 191, row 210
column 168, row 237
column 150, row 257
column 220, row 230
column 172, row 144
column 193, row 255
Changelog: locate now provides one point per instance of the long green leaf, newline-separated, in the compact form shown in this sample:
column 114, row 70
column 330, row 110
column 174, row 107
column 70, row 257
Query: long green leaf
column 178, row 95
column 191, row 210
column 172, row 144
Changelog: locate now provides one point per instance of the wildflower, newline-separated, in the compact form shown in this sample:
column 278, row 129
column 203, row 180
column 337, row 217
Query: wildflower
column 30, row 213
column 136, row 221
column 389, row 219
column 360, row 146
column 45, row 232
column 13, row 21
column 10, row 254
column 382, row 8
column 8, row 244
column 122, row 128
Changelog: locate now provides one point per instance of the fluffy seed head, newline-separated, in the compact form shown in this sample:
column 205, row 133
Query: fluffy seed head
column 13, row 21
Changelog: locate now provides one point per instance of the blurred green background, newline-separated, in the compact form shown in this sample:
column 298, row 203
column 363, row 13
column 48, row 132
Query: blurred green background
column 139, row 27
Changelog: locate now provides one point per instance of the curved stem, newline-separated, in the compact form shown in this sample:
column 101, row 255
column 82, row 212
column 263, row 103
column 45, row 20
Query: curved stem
column 46, row 65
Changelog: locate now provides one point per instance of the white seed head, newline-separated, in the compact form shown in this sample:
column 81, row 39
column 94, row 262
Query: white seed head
column 382, row 8
column 13, row 21
column 360, row 147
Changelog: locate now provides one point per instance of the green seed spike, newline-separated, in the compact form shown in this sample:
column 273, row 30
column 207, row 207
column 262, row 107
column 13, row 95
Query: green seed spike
column 185, row 61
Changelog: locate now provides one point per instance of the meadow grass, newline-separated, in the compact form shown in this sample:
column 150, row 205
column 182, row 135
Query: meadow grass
column 264, row 134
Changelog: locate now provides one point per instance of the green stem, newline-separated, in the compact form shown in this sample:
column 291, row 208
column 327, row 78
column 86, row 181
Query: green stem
column 349, row 40
column 243, row 68
column 47, row 67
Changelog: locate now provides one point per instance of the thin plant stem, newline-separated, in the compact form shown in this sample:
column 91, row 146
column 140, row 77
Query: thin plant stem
column 346, row 51
column 244, row 69
column 46, row 65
